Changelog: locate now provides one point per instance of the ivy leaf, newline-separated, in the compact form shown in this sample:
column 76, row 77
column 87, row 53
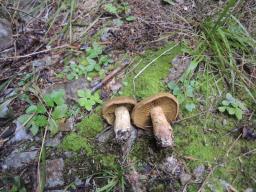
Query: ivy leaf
column 31, row 109
column 40, row 120
column 60, row 111
column 34, row 129
column 190, row 107
column 53, row 126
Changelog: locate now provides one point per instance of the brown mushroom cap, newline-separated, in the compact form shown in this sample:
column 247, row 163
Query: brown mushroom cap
column 141, row 112
column 109, row 107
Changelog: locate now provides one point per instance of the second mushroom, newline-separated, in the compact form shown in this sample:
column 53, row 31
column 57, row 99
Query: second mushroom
column 157, row 112
column 116, row 111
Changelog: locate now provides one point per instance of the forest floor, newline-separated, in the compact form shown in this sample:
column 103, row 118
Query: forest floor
column 61, row 60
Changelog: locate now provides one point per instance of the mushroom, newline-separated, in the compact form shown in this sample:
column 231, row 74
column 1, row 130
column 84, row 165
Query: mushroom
column 157, row 111
column 116, row 112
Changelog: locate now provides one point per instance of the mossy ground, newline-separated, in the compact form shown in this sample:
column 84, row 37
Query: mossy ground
column 203, row 138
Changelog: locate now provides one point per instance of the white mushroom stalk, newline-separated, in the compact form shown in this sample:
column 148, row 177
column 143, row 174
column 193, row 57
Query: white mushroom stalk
column 161, row 127
column 122, row 125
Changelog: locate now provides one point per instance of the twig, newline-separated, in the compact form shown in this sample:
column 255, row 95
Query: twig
column 155, row 59
column 35, row 53
column 109, row 77
column 207, row 177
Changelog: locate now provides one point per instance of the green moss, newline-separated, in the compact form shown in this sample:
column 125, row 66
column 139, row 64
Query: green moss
column 91, row 125
column 151, row 80
column 74, row 142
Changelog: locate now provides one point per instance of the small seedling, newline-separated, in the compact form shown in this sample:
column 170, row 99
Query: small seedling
column 88, row 99
column 74, row 71
column 185, row 94
column 233, row 106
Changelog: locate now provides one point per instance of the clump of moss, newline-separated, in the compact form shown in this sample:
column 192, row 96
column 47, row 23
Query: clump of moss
column 74, row 142
column 91, row 125
column 151, row 80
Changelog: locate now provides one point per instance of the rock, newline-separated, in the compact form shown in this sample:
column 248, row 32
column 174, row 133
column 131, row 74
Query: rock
column 78, row 181
column 54, row 173
column 20, row 134
column 249, row 190
column 172, row 166
column 5, row 34
column 69, row 154
column 106, row 135
column 18, row 160
column 227, row 186
column 180, row 64
column 185, row 178
column 199, row 171
column 41, row 63
column 54, row 142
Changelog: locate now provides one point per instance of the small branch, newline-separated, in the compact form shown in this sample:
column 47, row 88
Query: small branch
column 35, row 53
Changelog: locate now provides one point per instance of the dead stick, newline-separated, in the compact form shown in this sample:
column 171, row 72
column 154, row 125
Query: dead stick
column 109, row 77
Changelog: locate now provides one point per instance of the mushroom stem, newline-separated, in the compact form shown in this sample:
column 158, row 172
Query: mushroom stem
column 161, row 127
column 122, row 125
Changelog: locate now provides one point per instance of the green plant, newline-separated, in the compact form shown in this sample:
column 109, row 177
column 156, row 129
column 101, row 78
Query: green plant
column 74, row 71
column 115, row 179
column 224, row 42
column 185, row 94
column 37, row 116
column 88, row 99
column 233, row 106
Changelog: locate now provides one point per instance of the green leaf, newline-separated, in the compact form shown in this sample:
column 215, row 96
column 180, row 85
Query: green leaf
column 118, row 22
column 190, row 90
column 190, row 107
column 90, row 68
column 81, row 93
column 130, row 18
column 41, row 109
column 91, row 61
column 31, row 109
column 95, row 51
column 110, row 8
column 239, row 114
column 170, row 2
column 172, row 85
column 70, row 76
column 40, row 120
column 58, row 96
column 97, row 67
column 222, row 109
column 60, row 111
column 225, row 103
column 48, row 100
column 34, row 129
column 24, row 118
column 231, row 110
column 53, row 126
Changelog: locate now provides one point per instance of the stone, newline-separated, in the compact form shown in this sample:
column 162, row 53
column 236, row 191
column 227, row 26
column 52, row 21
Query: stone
column 20, row 134
column 185, row 178
column 5, row 34
column 41, row 63
column 78, row 181
column 54, row 142
column 69, row 154
column 19, row 160
column 172, row 166
column 199, row 171
column 54, row 173
column 67, row 125
column 249, row 190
